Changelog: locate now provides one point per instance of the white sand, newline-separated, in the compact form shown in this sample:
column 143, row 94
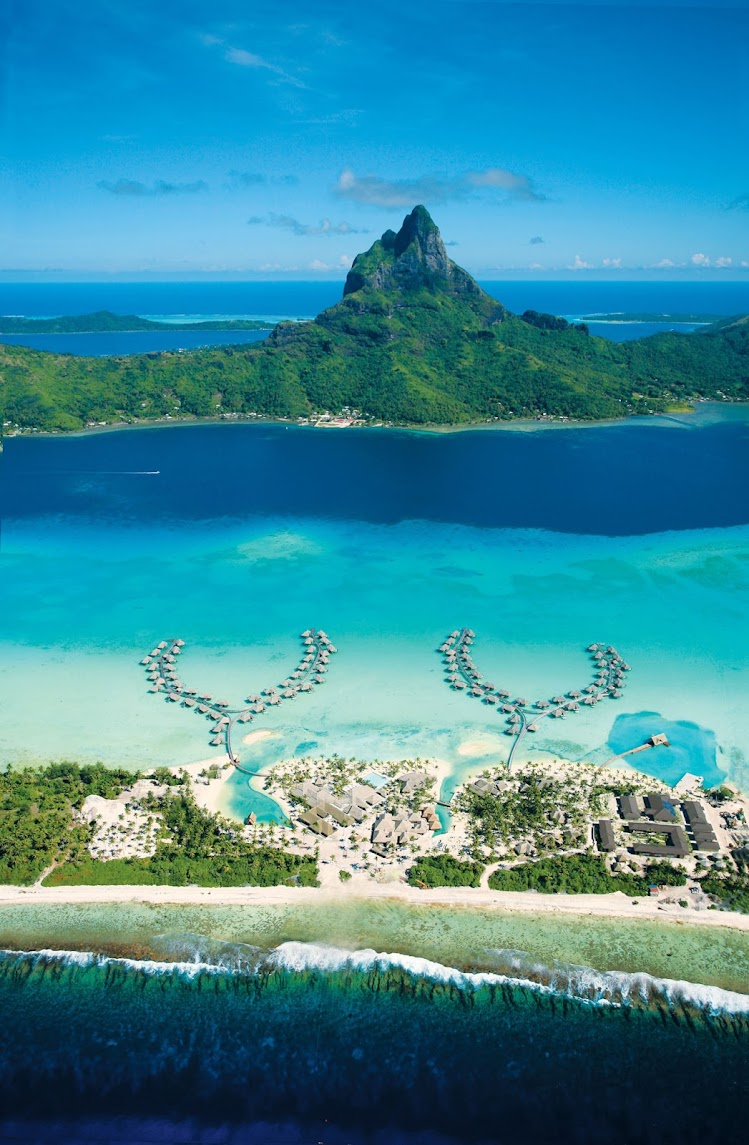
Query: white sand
column 260, row 734
column 601, row 906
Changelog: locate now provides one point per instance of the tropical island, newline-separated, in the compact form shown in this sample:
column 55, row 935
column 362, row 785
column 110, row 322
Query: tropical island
column 413, row 341
column 105, row 322
column 371, row 828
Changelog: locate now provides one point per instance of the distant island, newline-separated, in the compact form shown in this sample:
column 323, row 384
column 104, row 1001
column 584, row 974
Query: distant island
column 648, row 316
column 414, row 341
column 105, row 322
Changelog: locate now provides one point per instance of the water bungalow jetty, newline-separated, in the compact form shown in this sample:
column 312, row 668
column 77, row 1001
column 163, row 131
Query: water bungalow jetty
column 521, row 715
column 163, row 676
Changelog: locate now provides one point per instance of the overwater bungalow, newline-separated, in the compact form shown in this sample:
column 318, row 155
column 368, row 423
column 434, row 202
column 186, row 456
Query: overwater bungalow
column 490, row 699
column 289, row 694
column 321, row 670
column 332, row 648
column 307, row 633
column 574, row 695
column 305, row 687
column 505, row 695
column 173, row 696
column 221, row 703
column 509, row 731
column 590, row 688
column 162, row 645
column 507, row 708
column 558, row 700
column 274, row 700
column 459, row 684
column 593, row 647
column 146, row 661
column 188, row 703
column 245, row 718
column 573, row 707
column 521, row 701
column 542, row 704
column 558, row 713
column 155, row 688
column 216, row 741
column 180, row 643
column 202, row 709
column 531, row 728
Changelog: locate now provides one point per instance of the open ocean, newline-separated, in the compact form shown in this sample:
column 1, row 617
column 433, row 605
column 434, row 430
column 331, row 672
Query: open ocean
column 379, row 1023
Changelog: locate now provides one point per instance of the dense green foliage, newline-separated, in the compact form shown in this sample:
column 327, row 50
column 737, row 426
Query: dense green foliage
column 413, row 340
column 731, row 892
column 551, row 810
column 195, row 848
column 582, row 874
column 442, row 870
column 36, row 823
column 103, row 321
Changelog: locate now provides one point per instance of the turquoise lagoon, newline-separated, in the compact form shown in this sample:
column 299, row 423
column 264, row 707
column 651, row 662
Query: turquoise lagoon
column 112, row 542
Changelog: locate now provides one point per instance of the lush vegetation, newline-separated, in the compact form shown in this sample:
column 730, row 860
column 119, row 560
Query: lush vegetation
column 103, row 321
column 732, row 892
column 413, row 340
column 36, row 814
column 38, row 828
column 442, row 870
column 549, row 812
column 195, row 848
column 583, row 874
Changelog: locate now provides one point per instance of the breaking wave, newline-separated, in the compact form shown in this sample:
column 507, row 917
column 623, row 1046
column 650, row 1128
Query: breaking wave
column 189, row 956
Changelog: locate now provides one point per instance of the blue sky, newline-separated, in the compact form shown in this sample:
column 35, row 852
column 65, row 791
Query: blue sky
column 278, row 139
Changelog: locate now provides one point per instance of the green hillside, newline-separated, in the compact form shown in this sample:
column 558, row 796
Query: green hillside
column 414, row 340
column 104, row 321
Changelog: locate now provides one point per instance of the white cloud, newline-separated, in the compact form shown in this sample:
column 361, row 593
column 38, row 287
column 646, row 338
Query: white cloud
column 289, row 223
column 376, row 191
column 614, row 263
column 664, row 264
column 699, row 260
column 244, row 59
column 343, row 263
column 580, row 264
column 723, row 261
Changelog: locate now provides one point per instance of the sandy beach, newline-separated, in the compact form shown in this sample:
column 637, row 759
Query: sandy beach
column 575, row 906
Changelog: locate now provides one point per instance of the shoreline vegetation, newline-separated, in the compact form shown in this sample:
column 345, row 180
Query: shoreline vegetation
column 71, row 833
column 414, row 342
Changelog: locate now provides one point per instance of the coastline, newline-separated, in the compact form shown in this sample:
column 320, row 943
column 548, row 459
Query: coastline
column 517, row 425
column 572, row 907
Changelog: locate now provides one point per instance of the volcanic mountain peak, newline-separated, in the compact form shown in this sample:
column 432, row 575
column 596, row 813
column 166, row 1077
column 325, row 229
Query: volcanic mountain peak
column 413, row 258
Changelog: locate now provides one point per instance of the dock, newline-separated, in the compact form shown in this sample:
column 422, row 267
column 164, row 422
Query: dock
column 522, row 716
column 163, row 678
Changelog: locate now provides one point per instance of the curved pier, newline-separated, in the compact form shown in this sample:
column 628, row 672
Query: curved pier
column 161, row 668
column 521, row 716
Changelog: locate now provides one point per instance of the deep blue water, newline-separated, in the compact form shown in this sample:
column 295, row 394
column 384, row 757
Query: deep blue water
column 132, row 342
column 351, row 1056
column 309, row 298
column 613, row 481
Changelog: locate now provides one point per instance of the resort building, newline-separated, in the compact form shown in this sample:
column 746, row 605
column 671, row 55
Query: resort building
column 605, row 833
column 630, row 807
column 676, row 845
column 660, row 809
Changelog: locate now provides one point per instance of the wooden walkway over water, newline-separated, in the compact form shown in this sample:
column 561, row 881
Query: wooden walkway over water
column 309, row 673
column 521, row 715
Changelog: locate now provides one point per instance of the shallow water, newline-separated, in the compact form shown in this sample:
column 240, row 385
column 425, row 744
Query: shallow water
column 112, row 542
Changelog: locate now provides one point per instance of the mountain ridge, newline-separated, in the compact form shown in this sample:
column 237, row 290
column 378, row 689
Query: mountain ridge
column 414, row 340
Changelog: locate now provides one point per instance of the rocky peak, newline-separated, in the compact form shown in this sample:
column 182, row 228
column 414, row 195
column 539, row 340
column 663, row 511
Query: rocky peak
column 415, row 257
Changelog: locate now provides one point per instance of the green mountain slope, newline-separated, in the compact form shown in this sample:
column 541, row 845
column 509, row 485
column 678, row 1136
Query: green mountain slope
column 414, row 340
